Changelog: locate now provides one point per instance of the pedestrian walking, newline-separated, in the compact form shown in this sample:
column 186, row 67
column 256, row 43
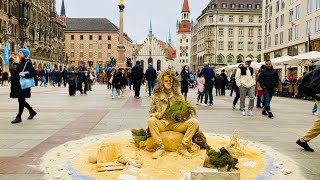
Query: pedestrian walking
column 235, row 88
column 200, row 85
column 268, row 80
column 311, row 86
column 151, row 77
column 82, row 75
column 59, row 78
column 123, row 82
column 5, row 78
column 65, row 76
column 209, row 75
column 116, row 78
column 184, row 81
column 259, row 90
column 224, row 82
column 218, row 83
column 43, row 73
column 137, row 76
column 72, row 80
column 246, row 81
column 26, row 70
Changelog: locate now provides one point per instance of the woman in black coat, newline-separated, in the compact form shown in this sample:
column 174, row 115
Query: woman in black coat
column 185, row 78
column 16, row 91
column 123, row 82
column 72, row 80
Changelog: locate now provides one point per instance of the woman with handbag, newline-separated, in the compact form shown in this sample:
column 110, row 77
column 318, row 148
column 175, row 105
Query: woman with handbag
column 21, row 76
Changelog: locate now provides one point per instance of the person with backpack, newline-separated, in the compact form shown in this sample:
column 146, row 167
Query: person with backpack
column 151, row 77
column 137, row 76
column 311, row 87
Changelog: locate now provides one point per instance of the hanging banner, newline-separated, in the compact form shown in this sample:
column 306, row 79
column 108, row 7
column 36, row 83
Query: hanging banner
column 97, row 68
column 6, row 55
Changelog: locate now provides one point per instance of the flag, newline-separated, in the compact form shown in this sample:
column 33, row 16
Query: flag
column 6, row 55
column 97, row 68
column 292, row 24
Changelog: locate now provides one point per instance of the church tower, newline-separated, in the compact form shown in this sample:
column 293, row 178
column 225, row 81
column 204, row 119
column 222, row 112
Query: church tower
column 184, row 37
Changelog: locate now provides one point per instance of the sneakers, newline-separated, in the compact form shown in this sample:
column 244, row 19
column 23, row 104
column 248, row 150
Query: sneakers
column 270, row 115
column 204, row 104
column 112, row 97
column 210, row 104
column 315, row 114
column 122, row 95
column 233, row 106
column 264, row 112
column 197, row 103
column 305, row 146
column 182, row 149
column 250, row 113
column 243, row 112
column 118, row 97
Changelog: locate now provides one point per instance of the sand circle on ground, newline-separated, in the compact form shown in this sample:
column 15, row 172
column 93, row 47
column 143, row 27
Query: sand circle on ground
column 70, row 160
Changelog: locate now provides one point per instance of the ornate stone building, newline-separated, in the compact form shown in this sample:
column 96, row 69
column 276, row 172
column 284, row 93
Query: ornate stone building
column 227, row 32
column 33, row 24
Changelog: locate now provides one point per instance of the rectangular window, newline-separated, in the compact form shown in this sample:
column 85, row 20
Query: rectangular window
column 281, row 37
column 109, row 46
column 250, row 18
column 90, row 46
column 100, row 37
column 282, row 4
column 240, row 45
column 230, row 31
column 281, row 20
column 81, row 37
column 211, row 19
column 291, row 2
column 308, row 27
column 290, row 34
column 72, row 37
column 90, row 55
column 317, row 24
column 277, row 6
column 209, row 32
column 220, row 45
column 297, row 32
column 260, row 32
column 318, row 4
column 269, row 42
column 250, row 46
column 209, row 45
column 220, row 18
column 260, row 19
column 220, row 31
column 100, row 55
column 240, row 18
column 72, row 46
column 250, row 32
column 90, row 37
column 241, row 32
column 81, row 54
column 230, row 45
column 276, row 39
column 109, row 55
column 277, row 22
column 81, row 46
column 230, row 18
column 309, row 6
column 259, row 46
column 290, row 15
column 270, row 11
column 298, row 12
column 72, row 54
column 109, row 38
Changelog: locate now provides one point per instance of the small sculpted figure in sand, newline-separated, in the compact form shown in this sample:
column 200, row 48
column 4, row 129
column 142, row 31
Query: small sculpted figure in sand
column 166, row 94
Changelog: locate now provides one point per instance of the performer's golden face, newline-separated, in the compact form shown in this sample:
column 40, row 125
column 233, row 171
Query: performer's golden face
column 167, row 82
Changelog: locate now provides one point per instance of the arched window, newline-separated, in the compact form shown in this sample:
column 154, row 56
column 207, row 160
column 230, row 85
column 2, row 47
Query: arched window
column 150, row 60
column 220, row 59
column 158, row 65
column 240, row 58
column 266, row 57
column 250, row 56
column 258, row 58
column 230, row 59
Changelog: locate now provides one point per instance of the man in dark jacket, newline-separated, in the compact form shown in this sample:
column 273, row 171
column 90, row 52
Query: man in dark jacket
column 209, row 75
column 82, row 77
column 137, row 75
column 314, row 131
column 151, row 76
column 269, row 80
column 224, row 83
column 65, row 76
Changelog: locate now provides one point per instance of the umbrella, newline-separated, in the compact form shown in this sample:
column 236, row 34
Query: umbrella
column 312, row 58
column 283, row 60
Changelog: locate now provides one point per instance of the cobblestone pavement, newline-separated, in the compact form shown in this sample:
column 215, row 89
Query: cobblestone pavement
column 62, row 118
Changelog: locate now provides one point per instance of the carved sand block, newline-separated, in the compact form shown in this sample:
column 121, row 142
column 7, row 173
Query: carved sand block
column 107, row 157
column 171, row 141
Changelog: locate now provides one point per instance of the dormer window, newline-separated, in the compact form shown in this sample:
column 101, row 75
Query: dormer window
column 249, row 6
column 241, row 6
column 233, row 6
column 224, row 5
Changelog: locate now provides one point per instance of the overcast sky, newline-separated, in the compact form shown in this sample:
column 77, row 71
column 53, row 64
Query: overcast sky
column 163, row 13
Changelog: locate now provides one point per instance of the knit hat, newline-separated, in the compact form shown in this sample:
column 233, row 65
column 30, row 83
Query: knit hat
column 25, row 51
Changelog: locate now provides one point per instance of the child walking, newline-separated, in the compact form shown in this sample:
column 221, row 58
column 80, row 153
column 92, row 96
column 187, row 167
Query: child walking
column 200, row 85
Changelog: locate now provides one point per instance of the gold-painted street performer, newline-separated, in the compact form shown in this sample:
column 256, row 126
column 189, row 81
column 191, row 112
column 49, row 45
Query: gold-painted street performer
column 165, row 94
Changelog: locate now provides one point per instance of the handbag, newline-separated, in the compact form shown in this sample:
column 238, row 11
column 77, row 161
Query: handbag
column 26, row 82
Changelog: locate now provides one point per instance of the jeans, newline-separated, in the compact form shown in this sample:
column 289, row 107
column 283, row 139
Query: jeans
column 243, row 94
column 267, row 96
column 115, row 90
column 43, row 80
column 208, row 93
column 315, row 108
column 236, row 98
column 151, row 85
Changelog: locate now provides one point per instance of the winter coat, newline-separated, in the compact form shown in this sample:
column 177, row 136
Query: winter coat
column 200, row 83
column 208, row 74
column 225, row 78
column 116, row 78
column 16, row 91
column 151, row 74
column 81, row 74
column 123, row 80
column 137, row 74
column 269, row 78
column 185, row 78
column 245, row 77
column 219, row 82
